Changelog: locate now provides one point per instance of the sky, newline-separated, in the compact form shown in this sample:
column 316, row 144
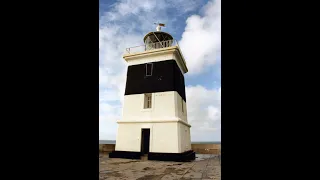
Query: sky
column 195, row 24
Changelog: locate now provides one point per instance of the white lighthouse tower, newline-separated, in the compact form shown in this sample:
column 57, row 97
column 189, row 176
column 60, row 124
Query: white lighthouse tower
column 154, row 121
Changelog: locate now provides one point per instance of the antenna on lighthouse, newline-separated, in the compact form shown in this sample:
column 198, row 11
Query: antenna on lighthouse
column 159, row 26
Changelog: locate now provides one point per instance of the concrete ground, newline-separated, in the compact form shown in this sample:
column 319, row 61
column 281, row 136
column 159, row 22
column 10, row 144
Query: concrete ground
column 206, row 166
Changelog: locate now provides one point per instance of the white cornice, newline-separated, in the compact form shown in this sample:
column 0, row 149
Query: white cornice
column 174, row 50
column 154, row 121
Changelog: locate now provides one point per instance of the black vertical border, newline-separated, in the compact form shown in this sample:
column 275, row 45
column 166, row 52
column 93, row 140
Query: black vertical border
column 55, row 119
column 246, row 94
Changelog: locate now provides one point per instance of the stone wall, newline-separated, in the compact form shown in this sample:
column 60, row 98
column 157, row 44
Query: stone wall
column 198, row 148
column 206, row 148
column 107, row 147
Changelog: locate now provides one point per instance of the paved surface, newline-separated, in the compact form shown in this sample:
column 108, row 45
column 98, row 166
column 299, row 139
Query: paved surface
column 206, row 166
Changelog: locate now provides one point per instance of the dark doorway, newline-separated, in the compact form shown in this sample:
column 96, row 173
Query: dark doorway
column 145, row 141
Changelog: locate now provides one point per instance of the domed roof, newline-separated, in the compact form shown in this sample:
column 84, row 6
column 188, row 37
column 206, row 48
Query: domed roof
column 162, row 36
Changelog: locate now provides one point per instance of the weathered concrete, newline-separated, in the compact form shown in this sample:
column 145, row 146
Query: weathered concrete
column 205, row 167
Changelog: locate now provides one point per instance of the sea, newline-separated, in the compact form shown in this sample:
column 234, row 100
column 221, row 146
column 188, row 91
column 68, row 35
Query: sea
column 194, row 142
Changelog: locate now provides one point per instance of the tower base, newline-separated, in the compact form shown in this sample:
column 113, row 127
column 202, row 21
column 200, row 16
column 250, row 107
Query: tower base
column 125, row 154
column 177, row 157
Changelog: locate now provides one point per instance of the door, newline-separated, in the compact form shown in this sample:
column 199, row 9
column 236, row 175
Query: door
column 145, row 141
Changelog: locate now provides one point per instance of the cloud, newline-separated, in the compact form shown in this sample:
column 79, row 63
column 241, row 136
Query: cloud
column 204, row 112
column 139, row 16
column 109, row 113
column 107, row 128
column 201, row 40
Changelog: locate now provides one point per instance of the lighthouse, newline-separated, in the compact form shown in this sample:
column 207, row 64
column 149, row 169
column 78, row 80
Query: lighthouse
column 154, row 121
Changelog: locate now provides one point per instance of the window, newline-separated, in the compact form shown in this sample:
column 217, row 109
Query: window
column 149, row 68
column 147, row 100
column 182, row 104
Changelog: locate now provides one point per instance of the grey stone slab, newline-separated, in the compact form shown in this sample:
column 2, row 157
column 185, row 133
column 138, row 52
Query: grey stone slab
column 170, row 177
column 208, row 168
column 193, row 175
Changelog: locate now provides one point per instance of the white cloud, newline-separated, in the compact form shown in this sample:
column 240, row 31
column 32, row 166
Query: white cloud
column 108, row 116
column 201, row 40
column 141, row 16
column 125, row 25
column 214, row 113
column 204, row 112
column 107, row 128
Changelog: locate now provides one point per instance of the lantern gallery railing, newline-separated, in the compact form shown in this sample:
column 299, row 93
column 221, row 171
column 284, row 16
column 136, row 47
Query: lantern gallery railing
column 151, row 46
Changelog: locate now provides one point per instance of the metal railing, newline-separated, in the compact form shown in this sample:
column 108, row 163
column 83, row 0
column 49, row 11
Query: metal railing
column 151, row 46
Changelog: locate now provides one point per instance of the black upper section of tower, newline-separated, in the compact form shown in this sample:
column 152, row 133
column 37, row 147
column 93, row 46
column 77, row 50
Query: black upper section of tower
column 155, row 77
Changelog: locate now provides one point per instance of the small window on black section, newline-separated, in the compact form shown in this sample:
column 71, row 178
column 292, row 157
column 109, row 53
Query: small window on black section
column 149, row 68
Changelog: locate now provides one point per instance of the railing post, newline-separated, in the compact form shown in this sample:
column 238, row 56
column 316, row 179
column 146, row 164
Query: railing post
column 155, row 45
